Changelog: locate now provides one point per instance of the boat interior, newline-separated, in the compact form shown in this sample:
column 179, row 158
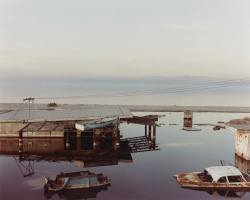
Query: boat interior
column 205, row 177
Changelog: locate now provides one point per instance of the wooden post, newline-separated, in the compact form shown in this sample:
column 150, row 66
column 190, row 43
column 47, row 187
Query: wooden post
column 78, row 133
column 117, row 139
column 78, row 143
column 149, row 138
column 96, row 139
column 154, row 136
column 145, row 130
column 20, row 145
column 67, row 140
column 188, row 118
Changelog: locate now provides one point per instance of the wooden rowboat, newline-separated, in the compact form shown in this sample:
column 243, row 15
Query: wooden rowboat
column 97, row 123
column 75, row 180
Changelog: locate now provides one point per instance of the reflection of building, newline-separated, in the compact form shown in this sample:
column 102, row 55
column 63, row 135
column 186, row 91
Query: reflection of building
column 242, row 164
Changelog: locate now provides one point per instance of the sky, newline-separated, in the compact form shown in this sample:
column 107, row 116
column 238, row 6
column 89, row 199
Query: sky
column 58, row 47
column 124, row 38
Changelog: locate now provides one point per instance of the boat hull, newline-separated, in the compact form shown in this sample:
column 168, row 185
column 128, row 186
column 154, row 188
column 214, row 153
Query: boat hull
column 74, row 188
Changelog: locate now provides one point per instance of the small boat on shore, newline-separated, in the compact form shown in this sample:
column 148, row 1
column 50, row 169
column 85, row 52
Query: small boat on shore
column 75, row 180
column 97, row 123
column 221, row 177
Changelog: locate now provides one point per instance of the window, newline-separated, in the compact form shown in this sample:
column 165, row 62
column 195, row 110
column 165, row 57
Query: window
column 222, row 180
column 235, row 179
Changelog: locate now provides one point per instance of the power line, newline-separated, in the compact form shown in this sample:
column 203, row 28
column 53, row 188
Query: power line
column 12, row 116
column 204, row 86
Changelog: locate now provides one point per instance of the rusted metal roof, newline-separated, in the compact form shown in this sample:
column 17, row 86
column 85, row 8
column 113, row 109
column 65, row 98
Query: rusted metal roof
column 59, row 115
column 220, row 171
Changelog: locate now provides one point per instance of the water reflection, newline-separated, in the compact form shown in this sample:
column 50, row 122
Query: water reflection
column 233, row 188
column 87, row 151
column 98, row 147
column 85, row 183
column 84, row 193
column 149, row 176
column 225, row 193
column 232, row 185
column 242, row 164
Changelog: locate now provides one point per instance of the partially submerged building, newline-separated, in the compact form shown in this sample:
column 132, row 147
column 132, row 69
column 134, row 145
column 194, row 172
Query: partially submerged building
column 241, row 128
column 52, row 123
column 51, row 136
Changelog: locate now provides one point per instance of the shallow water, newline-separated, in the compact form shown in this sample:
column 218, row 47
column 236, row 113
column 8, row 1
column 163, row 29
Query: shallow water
column 150, row 174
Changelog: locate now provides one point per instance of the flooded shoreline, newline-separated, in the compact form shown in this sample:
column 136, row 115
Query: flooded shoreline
column 7, row 107
column 135, row 174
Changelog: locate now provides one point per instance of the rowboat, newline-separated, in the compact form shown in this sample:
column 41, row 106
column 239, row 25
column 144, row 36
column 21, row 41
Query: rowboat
column 220, row 177
column 75, row 180
column 97, row 123
column 191, row 129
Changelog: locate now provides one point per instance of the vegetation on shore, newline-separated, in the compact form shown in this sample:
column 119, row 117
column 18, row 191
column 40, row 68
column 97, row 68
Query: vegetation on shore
column 52, row 104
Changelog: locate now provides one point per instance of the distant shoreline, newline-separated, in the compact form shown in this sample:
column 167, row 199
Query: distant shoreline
column 221, row 109
column 132, row 108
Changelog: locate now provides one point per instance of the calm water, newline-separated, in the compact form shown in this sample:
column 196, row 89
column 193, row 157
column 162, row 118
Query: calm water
column 149, row 175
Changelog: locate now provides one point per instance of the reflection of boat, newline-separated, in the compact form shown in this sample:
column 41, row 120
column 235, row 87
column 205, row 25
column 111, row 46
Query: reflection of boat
column 75, row 180
column 226, row 193
column 222, row 177
column 83, row 193
column 97, row 123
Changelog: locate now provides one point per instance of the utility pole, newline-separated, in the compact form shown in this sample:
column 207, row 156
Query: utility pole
column 30, row 100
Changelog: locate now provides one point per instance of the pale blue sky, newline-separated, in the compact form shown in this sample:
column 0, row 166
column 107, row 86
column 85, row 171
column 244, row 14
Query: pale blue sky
column 124, row 38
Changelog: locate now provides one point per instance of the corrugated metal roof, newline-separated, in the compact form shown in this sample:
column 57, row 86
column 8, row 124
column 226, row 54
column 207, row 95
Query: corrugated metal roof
column 220, row 171
column 58, row 115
